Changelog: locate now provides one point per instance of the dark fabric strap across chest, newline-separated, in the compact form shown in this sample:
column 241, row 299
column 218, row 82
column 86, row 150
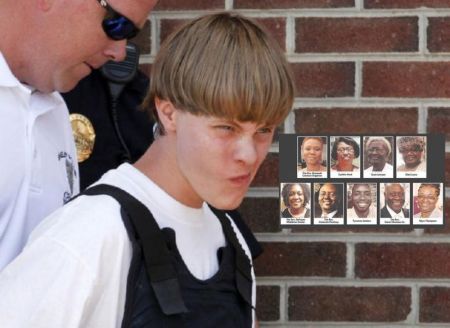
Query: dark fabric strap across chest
column 161, row 292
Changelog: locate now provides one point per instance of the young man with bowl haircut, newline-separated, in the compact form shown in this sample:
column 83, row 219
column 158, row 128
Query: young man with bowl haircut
column 220, row 88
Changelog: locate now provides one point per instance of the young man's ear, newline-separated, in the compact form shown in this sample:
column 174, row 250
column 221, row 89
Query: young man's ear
column 166, row 113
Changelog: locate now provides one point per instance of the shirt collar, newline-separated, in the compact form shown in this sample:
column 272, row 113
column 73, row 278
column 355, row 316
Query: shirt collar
column 329, row 215
column 393, row 214
column 7, row 78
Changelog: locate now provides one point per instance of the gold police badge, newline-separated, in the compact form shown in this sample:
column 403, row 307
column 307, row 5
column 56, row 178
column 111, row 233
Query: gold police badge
column 84, row 135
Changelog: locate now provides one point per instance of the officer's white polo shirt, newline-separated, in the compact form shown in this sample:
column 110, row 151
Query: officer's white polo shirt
column 38, row 164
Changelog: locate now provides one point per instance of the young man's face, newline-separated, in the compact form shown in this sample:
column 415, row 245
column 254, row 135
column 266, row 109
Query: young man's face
column 219, row 158
column 361, row 197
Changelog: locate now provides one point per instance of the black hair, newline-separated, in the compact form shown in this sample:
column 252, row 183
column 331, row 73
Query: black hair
column 287, row 188
column 348, row 141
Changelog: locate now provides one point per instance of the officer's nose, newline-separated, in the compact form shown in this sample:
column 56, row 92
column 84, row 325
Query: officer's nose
column 116, row 50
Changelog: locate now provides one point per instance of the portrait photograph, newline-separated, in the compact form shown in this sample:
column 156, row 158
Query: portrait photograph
column 428, row 203
column 345, row 157
column 328, row 203
column 361, row 203
column 378, row 159
column 295, row 203
column 411, row 157
column 312, row 157
column 395, row 207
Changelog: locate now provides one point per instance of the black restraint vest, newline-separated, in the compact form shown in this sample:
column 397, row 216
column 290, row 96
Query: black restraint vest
column 161, row 292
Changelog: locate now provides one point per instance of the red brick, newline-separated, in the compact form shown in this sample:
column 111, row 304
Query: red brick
column 276, row 27
column 406, row 79
column 142, row 40
column 438, row 34
column 397, row 34
column 261, row 214
column 268, row 303
column 374, row 304
column 302, row 259
column 276, row 135
column 189, row 5
column 167, row 26
column 355, row 120
column 434, row 304
column 324, row 79
column 439, row 121
column 146, row 69
column 267, row 175
column 402, row 260
column 291, row 4
column 385, row 4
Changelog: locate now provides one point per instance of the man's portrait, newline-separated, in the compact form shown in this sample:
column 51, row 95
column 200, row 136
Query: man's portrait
column 411, row 157
column 428, row 203
column 328, row 203
column 361, row 203
column 378, row 157
column 395, row 197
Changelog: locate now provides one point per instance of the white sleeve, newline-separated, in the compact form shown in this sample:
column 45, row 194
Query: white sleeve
column 73, row 272
column 46, row 286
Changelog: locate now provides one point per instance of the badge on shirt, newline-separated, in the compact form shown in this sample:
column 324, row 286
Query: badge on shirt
column 84, row 135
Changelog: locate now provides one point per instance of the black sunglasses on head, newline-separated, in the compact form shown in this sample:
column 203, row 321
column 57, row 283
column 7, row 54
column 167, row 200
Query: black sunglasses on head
column 117, row 26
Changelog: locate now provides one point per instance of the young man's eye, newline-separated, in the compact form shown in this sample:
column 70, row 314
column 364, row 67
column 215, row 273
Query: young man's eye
column 265, row 130
column 225, row 127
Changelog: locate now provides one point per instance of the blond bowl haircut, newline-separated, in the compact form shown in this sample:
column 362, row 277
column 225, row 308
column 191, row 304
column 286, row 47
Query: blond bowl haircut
column 222, row 65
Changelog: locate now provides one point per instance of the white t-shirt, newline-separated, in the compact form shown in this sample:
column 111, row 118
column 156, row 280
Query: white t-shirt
column 73, row 272
column 38, row 163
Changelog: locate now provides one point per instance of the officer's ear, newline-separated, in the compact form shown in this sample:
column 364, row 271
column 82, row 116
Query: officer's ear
column 166, row 114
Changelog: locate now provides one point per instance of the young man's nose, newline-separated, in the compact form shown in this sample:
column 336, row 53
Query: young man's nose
column 246, row 151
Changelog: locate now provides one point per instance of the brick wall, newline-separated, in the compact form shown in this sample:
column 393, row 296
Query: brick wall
column 360, row 66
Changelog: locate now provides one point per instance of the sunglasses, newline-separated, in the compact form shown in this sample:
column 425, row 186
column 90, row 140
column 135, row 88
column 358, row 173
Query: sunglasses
column 117, row 26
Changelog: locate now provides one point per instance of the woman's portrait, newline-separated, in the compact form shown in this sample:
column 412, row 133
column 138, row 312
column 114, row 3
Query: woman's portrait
column 345, row 157
column 378, row 157
column 428, row 203
column 312, row 157
column 411, row 157
column 295, row 206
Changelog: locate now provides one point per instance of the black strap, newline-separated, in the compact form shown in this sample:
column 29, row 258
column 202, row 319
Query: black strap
column 244, row 281
column 161, row 272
